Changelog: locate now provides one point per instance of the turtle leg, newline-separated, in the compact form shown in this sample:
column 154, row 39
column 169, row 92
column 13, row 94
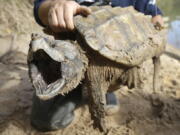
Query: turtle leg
column 97, row 103
column 155, row 99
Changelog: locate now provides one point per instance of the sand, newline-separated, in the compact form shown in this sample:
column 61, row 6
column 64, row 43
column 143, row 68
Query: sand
column 140, row 113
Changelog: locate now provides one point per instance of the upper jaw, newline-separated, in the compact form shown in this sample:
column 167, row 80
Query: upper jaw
column 45, row 45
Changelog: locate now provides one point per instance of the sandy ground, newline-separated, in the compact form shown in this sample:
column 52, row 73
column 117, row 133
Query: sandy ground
column 140, row 112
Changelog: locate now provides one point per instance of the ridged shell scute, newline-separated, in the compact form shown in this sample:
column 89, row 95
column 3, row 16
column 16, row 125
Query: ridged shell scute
column 121, row 34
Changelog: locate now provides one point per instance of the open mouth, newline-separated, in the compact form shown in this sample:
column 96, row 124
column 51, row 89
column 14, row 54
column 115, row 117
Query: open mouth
column 55, row 66
column 46, row 75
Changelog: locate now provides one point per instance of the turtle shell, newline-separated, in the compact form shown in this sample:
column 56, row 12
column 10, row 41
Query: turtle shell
column 121, row 34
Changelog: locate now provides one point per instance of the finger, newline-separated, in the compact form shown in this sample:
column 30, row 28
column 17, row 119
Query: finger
column 68, row 17
column 60, row 16
column 83, row 10
column 53, row 21
column 157, row 19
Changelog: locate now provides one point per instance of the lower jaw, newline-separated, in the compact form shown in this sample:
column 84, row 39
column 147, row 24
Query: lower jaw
column 52, row 90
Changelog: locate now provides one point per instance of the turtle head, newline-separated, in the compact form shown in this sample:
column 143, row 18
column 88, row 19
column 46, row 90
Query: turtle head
column 55, row 66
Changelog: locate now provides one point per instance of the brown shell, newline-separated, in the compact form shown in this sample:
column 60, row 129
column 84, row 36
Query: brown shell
column 121, row 34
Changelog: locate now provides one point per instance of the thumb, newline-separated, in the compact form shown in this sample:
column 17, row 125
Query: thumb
column 83, row 10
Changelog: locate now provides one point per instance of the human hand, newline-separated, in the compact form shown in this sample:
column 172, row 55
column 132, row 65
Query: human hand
column 61, row 12
column 158, row 20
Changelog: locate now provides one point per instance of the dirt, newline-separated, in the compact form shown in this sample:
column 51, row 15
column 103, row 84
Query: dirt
column 141, row 112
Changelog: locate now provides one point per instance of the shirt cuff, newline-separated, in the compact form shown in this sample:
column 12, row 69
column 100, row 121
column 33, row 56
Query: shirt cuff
column 153, row 10
column 37, row 4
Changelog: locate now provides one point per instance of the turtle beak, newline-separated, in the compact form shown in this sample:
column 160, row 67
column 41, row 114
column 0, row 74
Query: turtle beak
column 46, row 75
column 53, row 69
column 40, row 43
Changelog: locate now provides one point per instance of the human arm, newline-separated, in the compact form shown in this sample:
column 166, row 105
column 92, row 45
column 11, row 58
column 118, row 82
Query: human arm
column 152, row 9
column 58, row 14
column 158, row 20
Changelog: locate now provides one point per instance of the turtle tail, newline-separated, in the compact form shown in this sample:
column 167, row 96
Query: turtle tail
column 156, row 62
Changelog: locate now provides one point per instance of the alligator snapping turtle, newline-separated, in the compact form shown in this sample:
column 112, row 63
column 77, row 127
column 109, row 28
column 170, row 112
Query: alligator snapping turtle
column 110, row 45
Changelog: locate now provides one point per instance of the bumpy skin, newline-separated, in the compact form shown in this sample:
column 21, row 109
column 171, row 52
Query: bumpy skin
column 122, row 43
column 110, row 46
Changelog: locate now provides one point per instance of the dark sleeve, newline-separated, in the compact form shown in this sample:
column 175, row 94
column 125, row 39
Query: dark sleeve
column 37, row 4
column 148, row 7
column 152, row 9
